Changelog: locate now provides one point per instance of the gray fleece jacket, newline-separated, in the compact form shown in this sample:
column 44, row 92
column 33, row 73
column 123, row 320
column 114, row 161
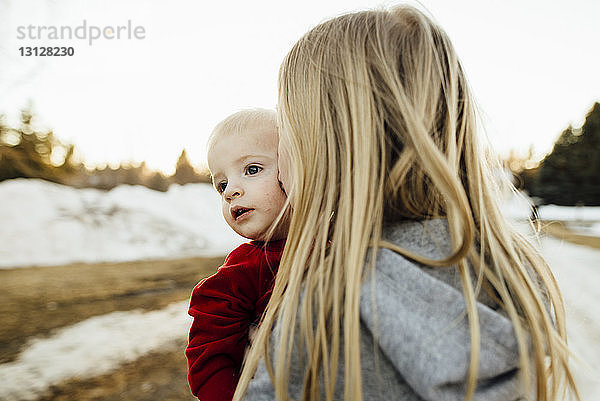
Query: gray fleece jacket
column 421, row 330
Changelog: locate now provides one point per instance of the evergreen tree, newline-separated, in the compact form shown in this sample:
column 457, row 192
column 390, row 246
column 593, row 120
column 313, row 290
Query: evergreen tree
column 158, row 182
column 28, row 153
column 185, row 173
column 570, row 174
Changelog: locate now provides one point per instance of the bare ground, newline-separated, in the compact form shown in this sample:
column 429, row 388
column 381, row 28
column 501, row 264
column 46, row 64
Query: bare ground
column 34, row 301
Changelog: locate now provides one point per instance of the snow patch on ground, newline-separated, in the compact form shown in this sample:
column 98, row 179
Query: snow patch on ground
column 577, row 269
column 49, row 224
column 570, row 213
column 518, row 207
column 92, row 347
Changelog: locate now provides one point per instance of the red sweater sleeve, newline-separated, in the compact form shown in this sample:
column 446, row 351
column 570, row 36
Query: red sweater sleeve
column 223, row 307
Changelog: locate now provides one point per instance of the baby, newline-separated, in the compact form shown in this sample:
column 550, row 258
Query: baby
column 242, row 158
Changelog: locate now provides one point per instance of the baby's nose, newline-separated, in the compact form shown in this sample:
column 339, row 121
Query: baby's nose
column 233, row 191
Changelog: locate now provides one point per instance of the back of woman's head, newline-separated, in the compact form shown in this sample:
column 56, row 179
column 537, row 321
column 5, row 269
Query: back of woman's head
column 382, row 90
column 377, row 124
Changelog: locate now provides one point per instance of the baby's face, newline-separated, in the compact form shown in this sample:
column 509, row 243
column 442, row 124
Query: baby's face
column 244, row 172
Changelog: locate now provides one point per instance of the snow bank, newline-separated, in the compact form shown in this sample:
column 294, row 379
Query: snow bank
column 580, row 218
column 516, row 206
column 570, row 213
column 91, row 347
column 576, row 269
column 593, row 229
column 49, row 224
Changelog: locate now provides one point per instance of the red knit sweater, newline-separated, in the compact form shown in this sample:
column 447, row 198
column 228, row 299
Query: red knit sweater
column 224, row 306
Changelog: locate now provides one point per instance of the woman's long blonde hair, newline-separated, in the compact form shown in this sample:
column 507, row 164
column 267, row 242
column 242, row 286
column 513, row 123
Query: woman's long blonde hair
column 379, row 124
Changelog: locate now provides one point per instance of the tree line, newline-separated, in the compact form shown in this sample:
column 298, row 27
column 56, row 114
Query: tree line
column 570, row 174
column 26, row 152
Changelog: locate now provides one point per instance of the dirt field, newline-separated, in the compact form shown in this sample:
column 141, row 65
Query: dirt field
column 34, row 301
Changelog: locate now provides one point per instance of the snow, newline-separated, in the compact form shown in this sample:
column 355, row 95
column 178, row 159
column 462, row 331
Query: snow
column 91, row 347
column 577, row 269
column 49, row 224
column 570, row 213
column 583, row 220
column 593, row 229
column 516, row 206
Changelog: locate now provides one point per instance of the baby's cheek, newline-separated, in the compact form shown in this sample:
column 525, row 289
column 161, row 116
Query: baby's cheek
column 226, row 214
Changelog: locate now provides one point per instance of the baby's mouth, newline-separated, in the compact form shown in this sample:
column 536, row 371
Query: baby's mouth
column 238, row 212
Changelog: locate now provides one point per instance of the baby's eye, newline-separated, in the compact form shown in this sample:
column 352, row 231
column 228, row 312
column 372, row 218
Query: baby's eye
column 221, row 186
column 252, row 169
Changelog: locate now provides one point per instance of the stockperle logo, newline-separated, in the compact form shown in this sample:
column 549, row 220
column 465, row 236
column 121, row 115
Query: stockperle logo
column 89, row 33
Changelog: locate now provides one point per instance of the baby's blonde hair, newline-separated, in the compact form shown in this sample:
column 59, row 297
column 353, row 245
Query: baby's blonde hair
column 238, row 122
column 378, row 119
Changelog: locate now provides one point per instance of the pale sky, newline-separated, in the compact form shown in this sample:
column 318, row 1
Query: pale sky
column 534, row 67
